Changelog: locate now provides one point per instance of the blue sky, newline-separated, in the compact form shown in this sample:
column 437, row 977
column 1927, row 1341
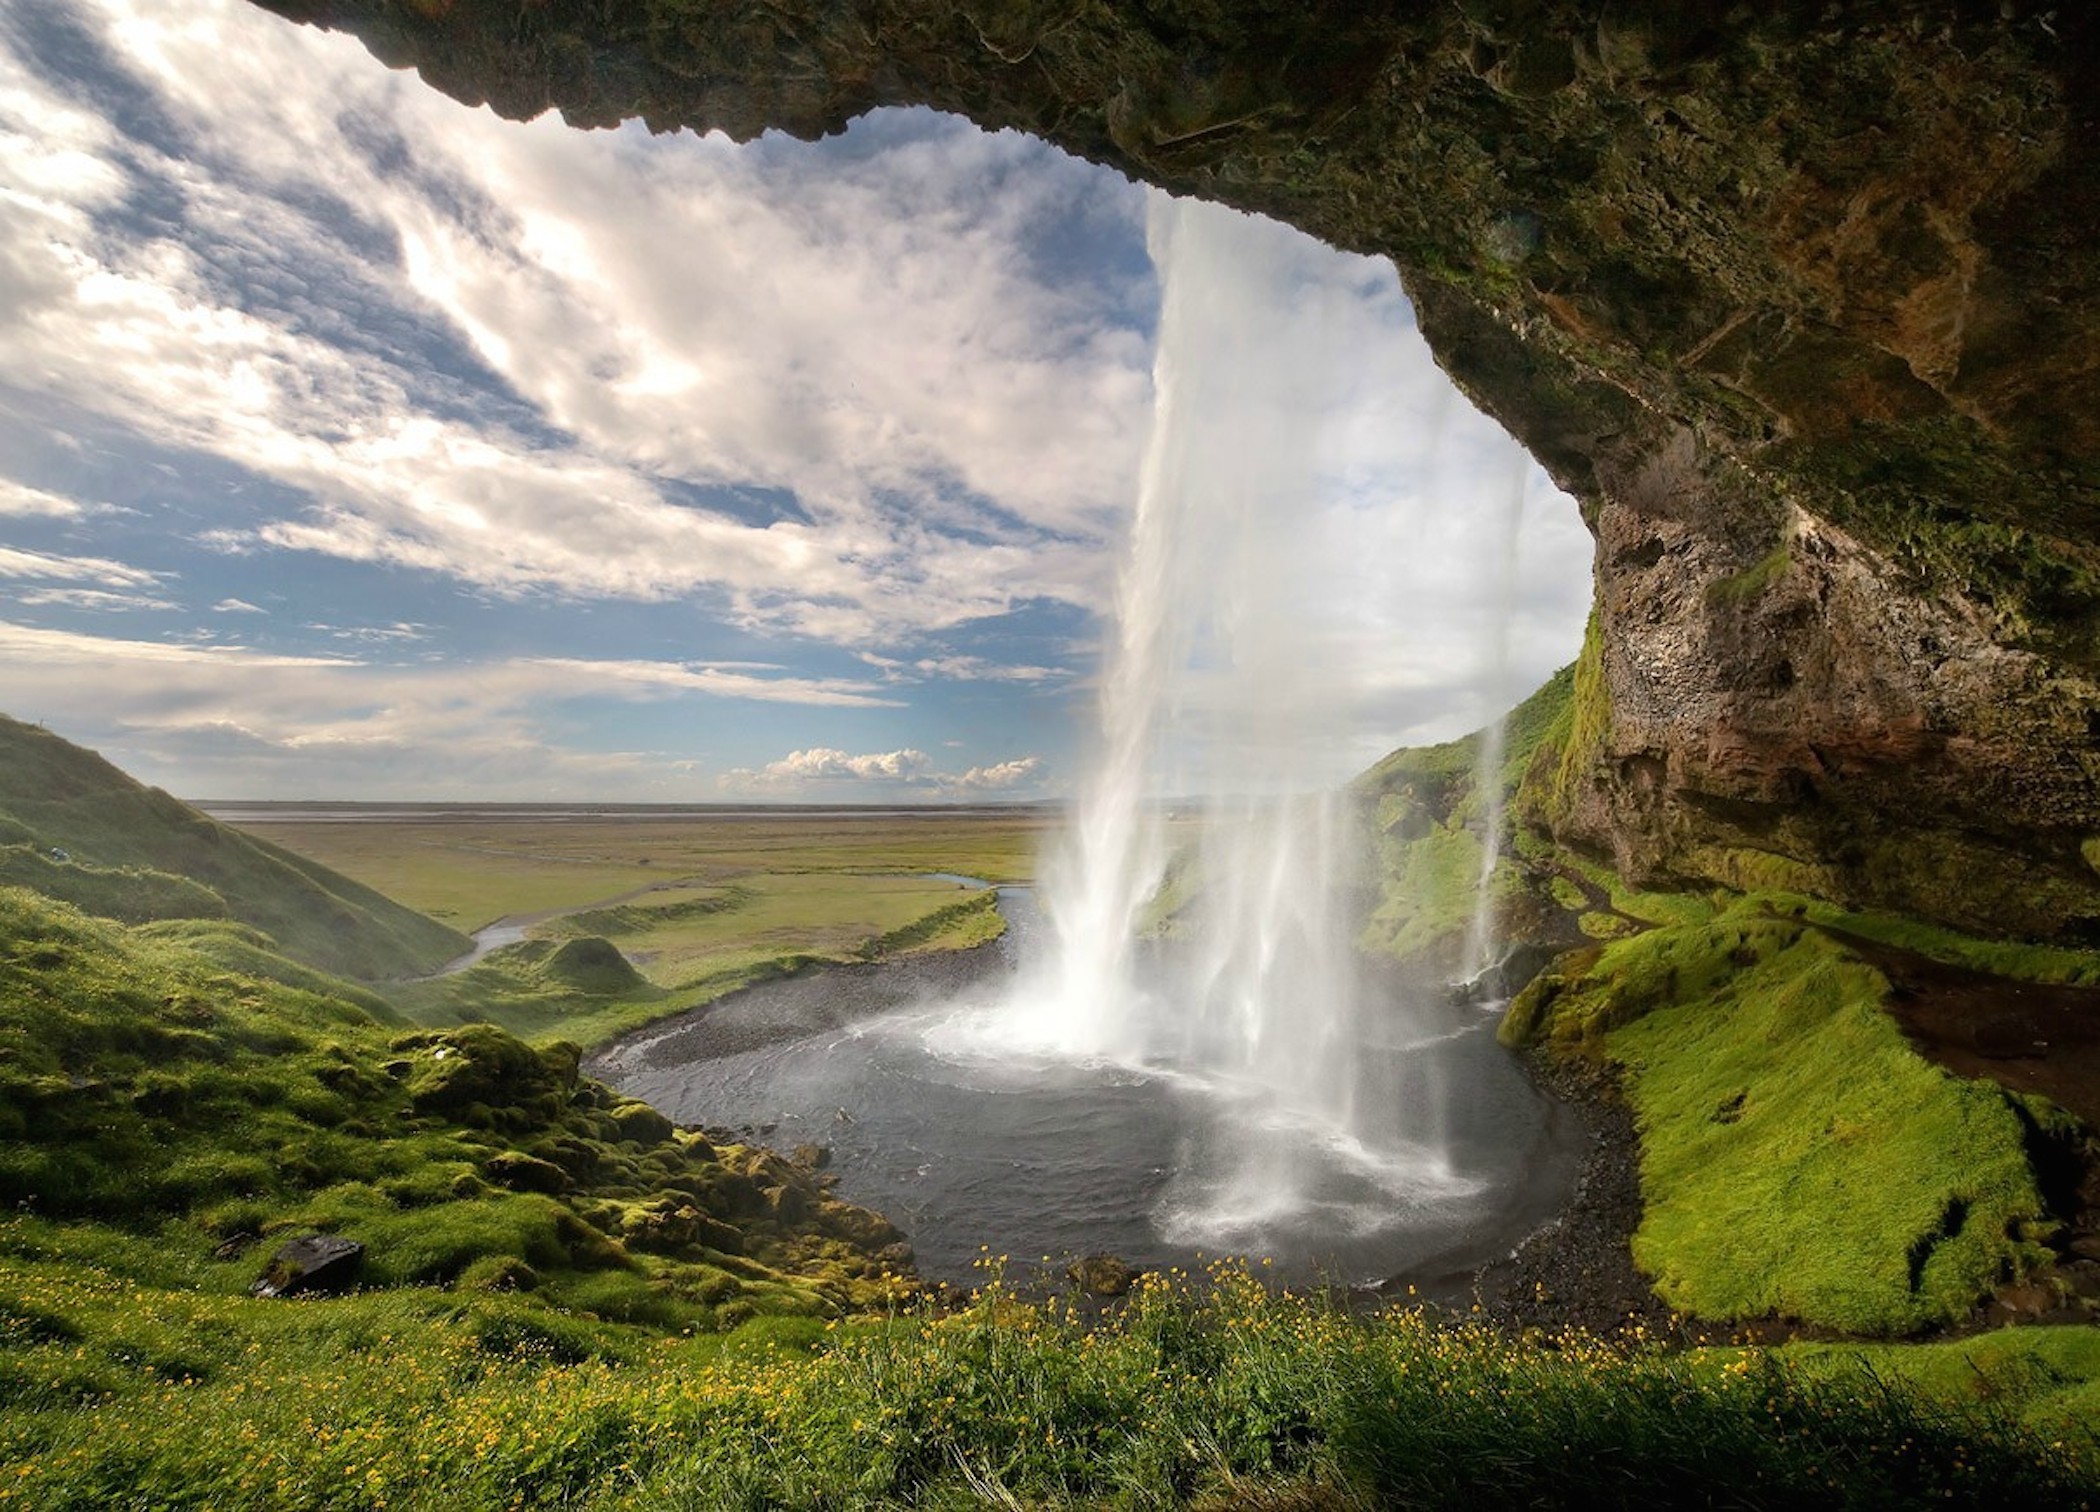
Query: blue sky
column 357, row 444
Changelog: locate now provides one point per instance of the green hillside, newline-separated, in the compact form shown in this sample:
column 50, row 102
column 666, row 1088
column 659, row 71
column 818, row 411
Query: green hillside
column 134, row 854
column 146, row 1087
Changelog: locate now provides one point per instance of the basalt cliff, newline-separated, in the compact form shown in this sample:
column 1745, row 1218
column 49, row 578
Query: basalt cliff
column 1796, row 299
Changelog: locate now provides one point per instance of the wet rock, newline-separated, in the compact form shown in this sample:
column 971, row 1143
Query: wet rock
column 313, row 1263
column 1102, row 1275
column 788, row 1204
column 863, row 1228
column 1506, row 977
column 811, row 1157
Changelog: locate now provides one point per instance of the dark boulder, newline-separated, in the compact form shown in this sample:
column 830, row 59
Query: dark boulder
column 313, row 1263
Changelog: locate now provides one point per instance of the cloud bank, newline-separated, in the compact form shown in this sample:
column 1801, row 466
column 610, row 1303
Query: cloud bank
column 418, row 454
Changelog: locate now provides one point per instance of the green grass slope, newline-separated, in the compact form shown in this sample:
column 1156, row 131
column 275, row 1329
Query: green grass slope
column 138, row 854
column 1800, row 1158
column 1430, row 818
column 130, row 1381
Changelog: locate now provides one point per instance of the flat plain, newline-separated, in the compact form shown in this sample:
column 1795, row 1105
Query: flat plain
column 699, row 902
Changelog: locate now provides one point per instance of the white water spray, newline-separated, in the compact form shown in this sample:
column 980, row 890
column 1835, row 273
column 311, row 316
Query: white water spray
column 1232, row 674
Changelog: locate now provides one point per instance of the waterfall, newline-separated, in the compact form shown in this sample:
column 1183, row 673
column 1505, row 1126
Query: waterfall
column 1228, row 686
column 1501, row 538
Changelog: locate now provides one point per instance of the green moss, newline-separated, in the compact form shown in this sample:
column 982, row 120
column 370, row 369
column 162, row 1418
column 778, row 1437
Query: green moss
column 1745, row 869
column 143, row 1084
column 1797, row 1156
column 1572, row 733
column 2048, row 1379
column 2006, row 958
column 1752, row 581
column 249, row 952
column 1953, row 509
column 128, row 894
column 1429, row 816
column 1428, row 891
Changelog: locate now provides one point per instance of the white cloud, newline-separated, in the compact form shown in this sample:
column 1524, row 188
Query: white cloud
column 90, row 598
column 865, row 335
column 723, row 680
column 311, row 725
column 960, row 669
column 20, row 500
column 400, row 632
column 27, row 648
column 826, row 772
column 237, row 606
column 821, row 763
column 1005, row 775
column 39, row 564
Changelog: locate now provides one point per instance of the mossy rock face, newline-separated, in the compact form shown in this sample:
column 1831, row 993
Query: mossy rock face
column 472, row 1071
column 1799, row 1158
column 1796, row 300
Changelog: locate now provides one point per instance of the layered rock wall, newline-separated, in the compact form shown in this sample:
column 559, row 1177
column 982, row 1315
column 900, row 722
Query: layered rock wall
column 1797, row 299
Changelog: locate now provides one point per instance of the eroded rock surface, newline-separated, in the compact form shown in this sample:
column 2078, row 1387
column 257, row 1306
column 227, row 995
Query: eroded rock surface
column 1796, row 299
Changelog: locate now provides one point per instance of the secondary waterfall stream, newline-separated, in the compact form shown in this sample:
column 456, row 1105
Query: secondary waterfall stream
column 1177, row 1049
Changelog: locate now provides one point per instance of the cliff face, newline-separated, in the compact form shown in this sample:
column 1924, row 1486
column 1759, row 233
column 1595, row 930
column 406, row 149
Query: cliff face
column 1797, row 302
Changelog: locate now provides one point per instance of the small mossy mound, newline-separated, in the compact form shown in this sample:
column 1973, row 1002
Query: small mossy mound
column 591, row 965
column 1798, row 1157
column 560, row 988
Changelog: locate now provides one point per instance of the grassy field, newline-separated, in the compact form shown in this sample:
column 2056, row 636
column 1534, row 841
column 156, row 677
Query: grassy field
column 697, row 904
column 469, row 871
column 133, row 1380
column 1798, row 1157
